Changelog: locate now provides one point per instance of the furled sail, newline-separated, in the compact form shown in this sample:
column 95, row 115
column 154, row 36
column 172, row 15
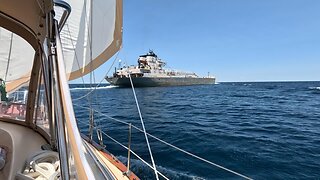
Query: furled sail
column 91, row 36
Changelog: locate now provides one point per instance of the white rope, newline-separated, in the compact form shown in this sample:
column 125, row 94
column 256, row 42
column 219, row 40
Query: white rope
column 42, row 165
column 173, row 146
column 144, row 129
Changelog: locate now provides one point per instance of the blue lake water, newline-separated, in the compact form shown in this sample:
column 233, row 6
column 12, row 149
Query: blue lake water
column 268, row 130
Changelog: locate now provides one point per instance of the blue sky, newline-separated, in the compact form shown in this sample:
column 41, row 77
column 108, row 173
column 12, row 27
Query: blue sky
column 235, row 40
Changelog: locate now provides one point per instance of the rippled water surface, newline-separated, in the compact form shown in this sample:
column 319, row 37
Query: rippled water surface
column 262, row 130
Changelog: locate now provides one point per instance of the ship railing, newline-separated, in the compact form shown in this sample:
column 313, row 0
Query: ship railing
column 180, row 72
column 153, row 137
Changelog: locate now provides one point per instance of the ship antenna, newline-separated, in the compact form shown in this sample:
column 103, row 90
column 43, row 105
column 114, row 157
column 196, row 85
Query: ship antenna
column 119, row 66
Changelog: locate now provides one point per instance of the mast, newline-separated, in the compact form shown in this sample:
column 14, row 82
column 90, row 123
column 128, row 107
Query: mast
column 91, row 114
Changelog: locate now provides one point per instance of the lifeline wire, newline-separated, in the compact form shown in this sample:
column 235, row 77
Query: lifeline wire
column 120, row 144
column 173, row 146
column 144, row 129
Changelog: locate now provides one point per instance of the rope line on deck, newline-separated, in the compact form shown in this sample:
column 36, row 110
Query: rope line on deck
column 175, row 147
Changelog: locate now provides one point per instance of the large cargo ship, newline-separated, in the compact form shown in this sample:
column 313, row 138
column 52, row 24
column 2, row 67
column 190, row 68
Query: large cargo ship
column 150, row 72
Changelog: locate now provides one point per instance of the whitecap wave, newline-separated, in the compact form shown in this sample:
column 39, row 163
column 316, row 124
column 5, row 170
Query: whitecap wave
column 90, row 88
column 147, row 172
column 314, row 88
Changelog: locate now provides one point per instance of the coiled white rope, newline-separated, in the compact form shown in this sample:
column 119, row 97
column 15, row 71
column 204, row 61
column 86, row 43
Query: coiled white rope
column 144, row 129
column 173, row 146
column 41, row 165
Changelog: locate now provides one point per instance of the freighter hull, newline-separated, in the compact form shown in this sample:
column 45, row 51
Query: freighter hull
column 159, row 81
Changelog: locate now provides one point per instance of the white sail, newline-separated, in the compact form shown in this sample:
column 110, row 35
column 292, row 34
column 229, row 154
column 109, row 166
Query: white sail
column 16, row 59
column 48, row 114
column 16, row 54
column 91, row 36
column 83, row 51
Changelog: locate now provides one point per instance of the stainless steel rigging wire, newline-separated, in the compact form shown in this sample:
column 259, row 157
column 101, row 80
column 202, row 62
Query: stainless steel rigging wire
column 173, row 146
